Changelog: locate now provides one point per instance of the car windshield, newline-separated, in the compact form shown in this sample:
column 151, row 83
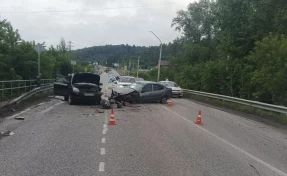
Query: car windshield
column 127, row 79
column 170, row 84
column 137, row 86
column 86, row 78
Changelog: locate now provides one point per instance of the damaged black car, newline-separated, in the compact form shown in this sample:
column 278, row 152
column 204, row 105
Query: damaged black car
column 79, row 87
column 142, row 92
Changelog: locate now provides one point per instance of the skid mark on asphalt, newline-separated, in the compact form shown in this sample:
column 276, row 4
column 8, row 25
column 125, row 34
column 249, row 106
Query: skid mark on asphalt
column 279, row 172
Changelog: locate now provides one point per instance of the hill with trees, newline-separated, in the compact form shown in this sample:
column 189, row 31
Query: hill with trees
column 123, row 54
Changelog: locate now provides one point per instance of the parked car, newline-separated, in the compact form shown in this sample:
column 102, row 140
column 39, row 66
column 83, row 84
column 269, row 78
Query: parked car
column 139, row 79
column 176, row 90
column 122, row 82
column 142, row 92
column 79, row 87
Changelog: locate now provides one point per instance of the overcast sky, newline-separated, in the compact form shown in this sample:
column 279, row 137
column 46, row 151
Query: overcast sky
column 104, row 22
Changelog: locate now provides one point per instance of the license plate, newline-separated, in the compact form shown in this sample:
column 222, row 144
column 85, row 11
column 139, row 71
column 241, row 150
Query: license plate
column 89, row 94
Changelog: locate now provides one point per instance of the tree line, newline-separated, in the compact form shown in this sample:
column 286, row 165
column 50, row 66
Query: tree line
column 236, row 48
column 19, row 60
column 231, row 47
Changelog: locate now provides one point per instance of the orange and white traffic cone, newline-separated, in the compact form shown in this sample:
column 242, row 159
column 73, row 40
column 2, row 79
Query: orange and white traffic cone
column 169, row 102
column 106, row 94
column 198, row 119
column 112, row 118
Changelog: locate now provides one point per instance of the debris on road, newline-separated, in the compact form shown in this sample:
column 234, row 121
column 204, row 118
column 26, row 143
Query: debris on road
column 100, row 110
column 106, row 104
column 19, row 118
column 7, row 133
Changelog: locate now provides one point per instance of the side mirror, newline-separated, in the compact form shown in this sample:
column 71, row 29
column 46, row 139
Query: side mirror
column 100, row 84
column 115, row 82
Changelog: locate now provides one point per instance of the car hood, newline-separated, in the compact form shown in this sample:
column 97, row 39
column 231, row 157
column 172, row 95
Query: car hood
column 85, row 85
column 86, row 78
column 123, row 91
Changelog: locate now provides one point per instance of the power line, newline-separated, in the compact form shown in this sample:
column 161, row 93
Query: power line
column 83, row 10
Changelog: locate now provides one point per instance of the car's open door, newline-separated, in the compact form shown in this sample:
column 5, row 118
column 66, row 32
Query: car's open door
column 61, row 86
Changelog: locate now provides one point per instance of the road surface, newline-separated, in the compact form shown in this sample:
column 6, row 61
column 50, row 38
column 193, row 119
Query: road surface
column 148, row 140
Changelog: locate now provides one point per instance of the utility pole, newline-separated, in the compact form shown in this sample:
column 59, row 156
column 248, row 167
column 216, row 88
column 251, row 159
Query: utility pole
column 159, row 60
column 70, row 45
column 138, row 66
column 39, row 48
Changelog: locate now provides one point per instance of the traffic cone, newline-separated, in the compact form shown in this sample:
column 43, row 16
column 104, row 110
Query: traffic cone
column 112, row 118
column 106, row 94
column 198, row 119
column 169, row 102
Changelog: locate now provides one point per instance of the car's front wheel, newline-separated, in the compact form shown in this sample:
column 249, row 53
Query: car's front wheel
column 163, row 100
column 70, row 100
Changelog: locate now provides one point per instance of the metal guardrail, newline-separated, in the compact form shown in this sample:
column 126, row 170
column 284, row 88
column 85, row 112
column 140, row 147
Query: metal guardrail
column 27, row 95
column 256, row 104
column 12, row 88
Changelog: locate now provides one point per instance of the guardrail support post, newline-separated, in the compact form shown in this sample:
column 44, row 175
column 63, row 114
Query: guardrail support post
column 2, row 91
column 11, row 90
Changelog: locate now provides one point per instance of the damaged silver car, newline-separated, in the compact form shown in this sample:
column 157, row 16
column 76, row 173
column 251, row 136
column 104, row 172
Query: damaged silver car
column 142, row 92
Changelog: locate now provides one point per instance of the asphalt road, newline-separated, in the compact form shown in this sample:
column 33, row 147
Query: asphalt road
column 148, row 140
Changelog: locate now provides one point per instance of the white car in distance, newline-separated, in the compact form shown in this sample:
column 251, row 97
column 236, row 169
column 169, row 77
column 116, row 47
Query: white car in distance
column 176, row 90
column 122, row 82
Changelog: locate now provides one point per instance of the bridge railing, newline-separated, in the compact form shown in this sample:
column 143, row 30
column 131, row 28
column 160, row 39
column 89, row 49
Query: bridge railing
column 256, row 104
column 13, row 88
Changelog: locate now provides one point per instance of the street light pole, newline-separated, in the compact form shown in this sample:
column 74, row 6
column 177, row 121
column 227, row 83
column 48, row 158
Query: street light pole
column 39, row 58
column 159, row 60
column 138, row 66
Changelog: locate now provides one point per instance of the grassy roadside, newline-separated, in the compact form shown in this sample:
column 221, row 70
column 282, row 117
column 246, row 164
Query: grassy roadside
column 273, row 116
column 35, row 99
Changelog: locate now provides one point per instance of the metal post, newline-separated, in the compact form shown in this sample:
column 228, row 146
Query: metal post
column 11, row 91
column 2, row 91
column 159, row 60
column 138, row 66
column 19, row 88
column 159, row 63
column 38, row 58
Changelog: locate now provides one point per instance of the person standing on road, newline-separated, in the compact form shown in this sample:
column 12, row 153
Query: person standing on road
column 38, row 80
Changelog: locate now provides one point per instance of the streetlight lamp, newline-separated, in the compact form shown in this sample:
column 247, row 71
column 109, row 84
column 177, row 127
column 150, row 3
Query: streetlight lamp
column 39, row 48
column 159, row 60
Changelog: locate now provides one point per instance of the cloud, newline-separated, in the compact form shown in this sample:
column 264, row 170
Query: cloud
column 102, row 22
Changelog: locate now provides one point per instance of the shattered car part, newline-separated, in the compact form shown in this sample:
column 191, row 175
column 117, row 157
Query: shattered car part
column 125, row 95
column 105, row 104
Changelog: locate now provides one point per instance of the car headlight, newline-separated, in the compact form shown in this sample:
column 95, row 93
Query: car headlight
column 76, row 90
column 121, row 86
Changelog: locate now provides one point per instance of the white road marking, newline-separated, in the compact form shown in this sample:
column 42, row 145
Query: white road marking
column 50, row 108
column 18, row 113
column 41, row 103
column 103, row 151
column 103, row 140
column 231, row 145
column 102, row 167
column 104, row 131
